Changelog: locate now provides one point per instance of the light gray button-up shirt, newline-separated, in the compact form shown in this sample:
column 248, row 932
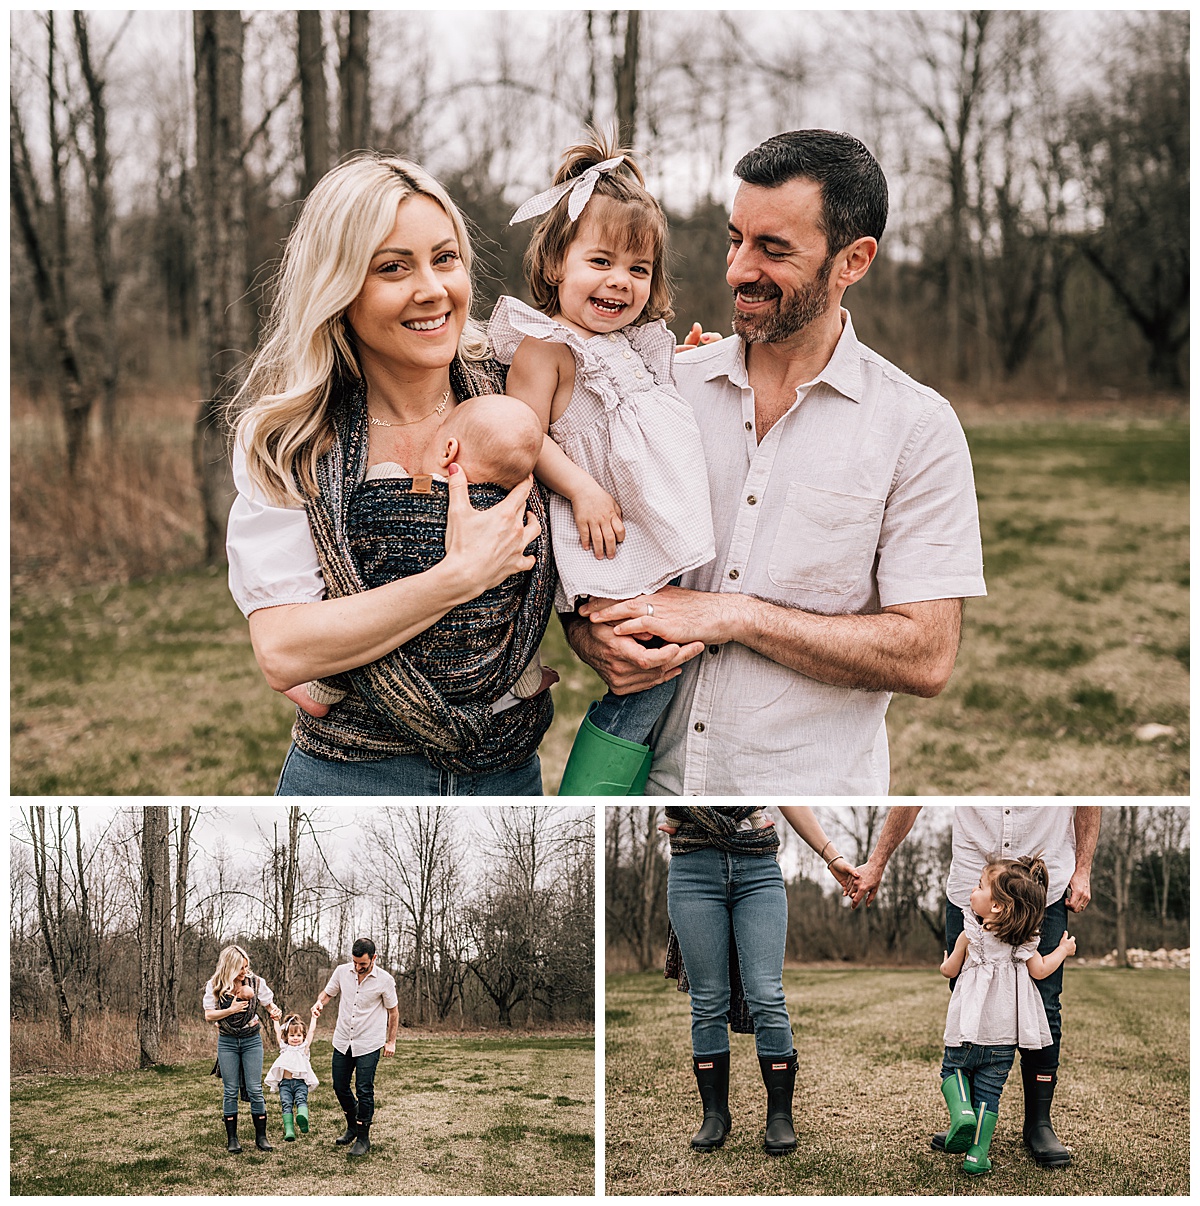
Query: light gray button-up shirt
column 1006, row 832
column 860, row 497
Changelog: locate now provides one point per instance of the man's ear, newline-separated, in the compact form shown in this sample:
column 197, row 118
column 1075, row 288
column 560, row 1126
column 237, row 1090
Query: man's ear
column 856, row 259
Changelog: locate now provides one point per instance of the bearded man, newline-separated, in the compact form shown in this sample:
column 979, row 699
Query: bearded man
column 843, row 503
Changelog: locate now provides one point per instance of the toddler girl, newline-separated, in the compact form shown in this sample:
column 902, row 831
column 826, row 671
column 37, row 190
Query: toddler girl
column 994, row 1008
column 291, row 1074
column 623, row 454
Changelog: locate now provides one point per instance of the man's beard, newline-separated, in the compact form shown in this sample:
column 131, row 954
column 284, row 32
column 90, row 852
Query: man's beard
column 789, row 317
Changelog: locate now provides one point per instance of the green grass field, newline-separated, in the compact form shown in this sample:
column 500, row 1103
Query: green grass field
column 470, row 1116
column 152, row 688
column 867, row 1095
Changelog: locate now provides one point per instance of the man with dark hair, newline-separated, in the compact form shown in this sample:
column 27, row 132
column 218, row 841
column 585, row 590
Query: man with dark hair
column 368, row 1014
column 843, row 503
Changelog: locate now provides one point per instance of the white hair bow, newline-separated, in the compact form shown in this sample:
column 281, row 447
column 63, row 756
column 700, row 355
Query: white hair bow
column 580, row 188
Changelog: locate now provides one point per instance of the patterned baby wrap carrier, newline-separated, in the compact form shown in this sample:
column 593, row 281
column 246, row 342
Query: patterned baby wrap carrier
column 238, row 1024
column 433, row 695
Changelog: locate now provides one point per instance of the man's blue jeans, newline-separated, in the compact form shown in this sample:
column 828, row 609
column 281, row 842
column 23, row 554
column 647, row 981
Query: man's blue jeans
column 292, row 1093
column 706, row 891
column 242, row 1053
column 363, row 1067
column 1054, row 925
column 987, row 1069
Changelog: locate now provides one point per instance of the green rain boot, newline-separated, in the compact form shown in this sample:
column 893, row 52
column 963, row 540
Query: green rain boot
column 957, row 1093
column 976, row 1159
column 289, row 1131
column 302, row 1117
column 603, row 765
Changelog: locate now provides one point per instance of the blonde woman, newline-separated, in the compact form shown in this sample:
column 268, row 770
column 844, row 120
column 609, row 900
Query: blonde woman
column 231, row 1000
column 369, row 345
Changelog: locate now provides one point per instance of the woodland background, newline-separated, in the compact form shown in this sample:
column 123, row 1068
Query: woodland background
column 485, row 916
column 1141, row 889
column 1035, row 270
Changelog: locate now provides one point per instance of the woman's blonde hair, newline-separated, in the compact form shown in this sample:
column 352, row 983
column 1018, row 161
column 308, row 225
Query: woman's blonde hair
column 285, row 421
column 229, row 965
column 1019, row 887
column 624, row 212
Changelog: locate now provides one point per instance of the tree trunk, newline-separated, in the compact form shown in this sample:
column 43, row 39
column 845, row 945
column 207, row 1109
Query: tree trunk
column 220, row 238
column 354, row 85
column 1124, row 859
column 314, row 98
column 625, row 75
column 46, row 922
column 173, row 935
column 290, row 877
column 152, row 922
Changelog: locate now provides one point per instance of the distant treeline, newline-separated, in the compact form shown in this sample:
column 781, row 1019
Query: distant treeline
column 1140, row 890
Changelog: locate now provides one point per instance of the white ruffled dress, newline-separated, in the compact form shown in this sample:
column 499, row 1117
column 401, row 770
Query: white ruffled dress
column 628, row 427
column 995, row 1002
column 292, row 1063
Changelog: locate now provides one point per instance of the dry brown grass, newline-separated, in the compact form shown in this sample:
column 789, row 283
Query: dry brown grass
column 109, row 1043
column 131, row 511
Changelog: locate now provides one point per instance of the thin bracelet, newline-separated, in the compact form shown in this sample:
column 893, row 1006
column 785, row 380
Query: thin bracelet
column 821, row 852
column 835, row 858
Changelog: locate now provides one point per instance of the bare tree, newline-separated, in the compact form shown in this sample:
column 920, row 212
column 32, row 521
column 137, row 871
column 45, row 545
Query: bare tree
column 1126, row 850
column 152, row 927
column 221, row 258
column 50, row 917
column 354, row 83
column 314, row 97
column 625, row 76
column 174, row 930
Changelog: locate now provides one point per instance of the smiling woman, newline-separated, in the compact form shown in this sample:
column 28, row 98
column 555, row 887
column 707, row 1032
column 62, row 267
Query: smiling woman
column 349, row 560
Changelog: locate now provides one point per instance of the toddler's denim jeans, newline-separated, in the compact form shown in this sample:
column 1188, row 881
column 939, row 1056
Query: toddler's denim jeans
column 987, row 1069
column 292, row 1093
column 706, row 890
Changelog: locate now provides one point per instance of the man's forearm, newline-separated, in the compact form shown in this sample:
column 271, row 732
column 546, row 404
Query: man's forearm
column 909, row 649
column 896, row 826
column 393, row 1024
column 1087, row 833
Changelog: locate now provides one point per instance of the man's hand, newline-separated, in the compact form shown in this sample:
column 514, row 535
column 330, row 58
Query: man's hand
column 1079, row 891
column 625, row 665
column 674, row 614
column 866, row 885
column 389, row 1048
column 317, row 1007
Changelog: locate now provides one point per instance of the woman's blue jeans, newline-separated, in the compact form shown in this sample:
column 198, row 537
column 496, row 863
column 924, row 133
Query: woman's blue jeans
column 707, row 892
column 987, row 1069
column 407, row 775
column 292, row 1093
column 245, row 1053
column 1054, row 925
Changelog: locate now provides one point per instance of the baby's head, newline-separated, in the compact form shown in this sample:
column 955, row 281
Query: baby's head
column 293, row 1030
column 493, row 438
column 244, row 993
column 1018, row 896
column 620, row 214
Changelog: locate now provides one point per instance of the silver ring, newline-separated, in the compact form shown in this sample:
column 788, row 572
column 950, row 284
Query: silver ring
column 650, row 609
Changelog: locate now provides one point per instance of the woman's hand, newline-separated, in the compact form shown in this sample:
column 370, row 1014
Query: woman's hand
column 486, row 547
column 598, row 519
column 275, row 1012
column 238, row 1006
column 845, row 874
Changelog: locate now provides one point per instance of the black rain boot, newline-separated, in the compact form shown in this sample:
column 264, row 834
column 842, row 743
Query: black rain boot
column 351, row 1132
column 712, row 1079
column 260, row 1133
column 362, row 1144
column 1038, row 1133
column 231, row 1134
column 779, row 1075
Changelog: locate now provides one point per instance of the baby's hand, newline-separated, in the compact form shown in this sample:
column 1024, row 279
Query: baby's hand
column 598, row 518
column 1067, row 943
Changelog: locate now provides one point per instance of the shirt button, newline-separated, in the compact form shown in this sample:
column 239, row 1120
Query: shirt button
column 699, row 726
column 639, row 374
column 752, row 500
column 733, row 574
column 626, row 355
column 612, row 337
column 749, row 426
column 714, row 649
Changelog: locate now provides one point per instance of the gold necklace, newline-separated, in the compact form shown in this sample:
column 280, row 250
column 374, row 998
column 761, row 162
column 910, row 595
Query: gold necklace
column 437, row 410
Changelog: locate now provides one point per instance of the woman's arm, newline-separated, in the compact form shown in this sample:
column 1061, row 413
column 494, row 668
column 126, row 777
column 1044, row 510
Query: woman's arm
column 298, row 642
column 952, row 963
column 804, row 821
column 215, row 1015
column 1041, row 966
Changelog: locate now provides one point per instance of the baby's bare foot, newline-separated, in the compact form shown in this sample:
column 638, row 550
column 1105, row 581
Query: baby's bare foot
column 300, row 697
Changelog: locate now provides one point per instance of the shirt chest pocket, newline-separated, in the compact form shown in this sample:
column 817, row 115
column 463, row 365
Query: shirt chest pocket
column 826, row 540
